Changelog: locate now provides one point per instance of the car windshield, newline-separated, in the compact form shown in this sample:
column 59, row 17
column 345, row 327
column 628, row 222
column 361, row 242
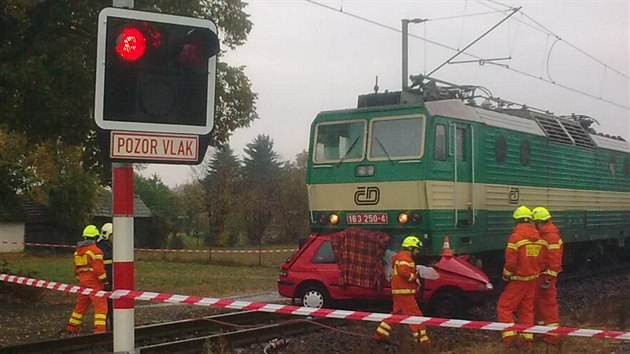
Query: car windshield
column 396, row 139
column 339, row 142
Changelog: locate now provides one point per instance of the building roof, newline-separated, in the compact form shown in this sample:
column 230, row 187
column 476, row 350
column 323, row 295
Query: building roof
column 103, row 206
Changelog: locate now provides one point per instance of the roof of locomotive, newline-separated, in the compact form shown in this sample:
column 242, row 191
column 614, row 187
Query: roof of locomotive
column 557, row 129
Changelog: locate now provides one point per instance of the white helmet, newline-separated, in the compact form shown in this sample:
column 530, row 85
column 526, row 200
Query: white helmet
column 107, row 231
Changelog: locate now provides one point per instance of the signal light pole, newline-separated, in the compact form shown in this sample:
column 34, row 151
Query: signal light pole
column 155, row 83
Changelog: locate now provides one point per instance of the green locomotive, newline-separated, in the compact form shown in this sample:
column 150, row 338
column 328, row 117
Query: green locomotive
column 432, row 161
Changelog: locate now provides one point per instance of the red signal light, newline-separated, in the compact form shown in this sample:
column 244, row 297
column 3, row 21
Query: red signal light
column 131, row 44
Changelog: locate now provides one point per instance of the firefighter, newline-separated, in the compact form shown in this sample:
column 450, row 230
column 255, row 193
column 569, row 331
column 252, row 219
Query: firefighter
column 521, row 271
column 405, row 283
column 90, row 270
column 105, row 244
column 546, row 305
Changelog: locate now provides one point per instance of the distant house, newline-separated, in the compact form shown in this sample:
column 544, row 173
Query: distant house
column 12, row 224
column 34, row 223
column 102, row 213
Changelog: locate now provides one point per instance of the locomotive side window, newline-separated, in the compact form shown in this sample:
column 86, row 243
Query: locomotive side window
column 397, row 138
column 525, row 152
column 626, row 167
column 612, row 165
column 460, row 140
column 500, row 149
column 439, row 152
column 325, row 254
column 337, row 142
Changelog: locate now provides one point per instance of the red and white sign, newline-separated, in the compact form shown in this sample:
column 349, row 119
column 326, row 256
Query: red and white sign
column 367, row 218
column 153, row 146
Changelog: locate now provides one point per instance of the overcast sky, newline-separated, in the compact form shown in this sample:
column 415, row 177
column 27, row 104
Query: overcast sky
column 303, row 58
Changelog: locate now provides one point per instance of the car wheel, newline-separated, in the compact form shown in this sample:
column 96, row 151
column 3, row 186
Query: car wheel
column 315, row 297
column 447, row 304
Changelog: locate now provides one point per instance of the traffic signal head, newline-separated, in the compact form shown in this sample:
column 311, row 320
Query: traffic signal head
column 155, row 72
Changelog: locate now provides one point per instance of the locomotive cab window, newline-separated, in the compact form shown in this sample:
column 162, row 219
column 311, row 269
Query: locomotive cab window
column 626, row 167
column 396, row 138
column 439, row 151
column 339, row 142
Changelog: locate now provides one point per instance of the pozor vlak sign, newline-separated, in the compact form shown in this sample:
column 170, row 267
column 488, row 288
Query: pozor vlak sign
column 155, row 84
column 154, row 146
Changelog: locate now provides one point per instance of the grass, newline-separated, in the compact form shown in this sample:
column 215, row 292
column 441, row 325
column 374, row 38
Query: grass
column 196, row 274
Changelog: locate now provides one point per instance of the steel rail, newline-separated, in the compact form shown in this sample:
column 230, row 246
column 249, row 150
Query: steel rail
column 148, row 334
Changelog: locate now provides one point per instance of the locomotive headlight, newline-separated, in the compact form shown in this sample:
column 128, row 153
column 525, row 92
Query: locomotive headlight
column 322, row 218
column 403, row 218
column 416, row 218
column 334, row 218
column 364, row 171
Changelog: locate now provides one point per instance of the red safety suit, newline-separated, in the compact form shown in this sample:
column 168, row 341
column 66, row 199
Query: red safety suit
column 547, row 298
column 404, row 284
column 521, row 270
column 90, row 270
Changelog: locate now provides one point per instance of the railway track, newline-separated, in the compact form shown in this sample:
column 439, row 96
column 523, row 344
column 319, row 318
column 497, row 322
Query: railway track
column 228, row 330
column 240, row 329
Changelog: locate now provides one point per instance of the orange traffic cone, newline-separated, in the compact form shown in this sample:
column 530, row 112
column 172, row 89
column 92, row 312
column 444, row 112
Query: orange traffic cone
column 446, row 248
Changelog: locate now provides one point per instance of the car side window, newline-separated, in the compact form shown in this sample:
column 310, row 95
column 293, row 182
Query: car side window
column 325, row 254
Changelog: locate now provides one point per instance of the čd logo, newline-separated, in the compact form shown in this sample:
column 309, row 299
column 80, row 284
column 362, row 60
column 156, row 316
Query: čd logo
column 367, row 196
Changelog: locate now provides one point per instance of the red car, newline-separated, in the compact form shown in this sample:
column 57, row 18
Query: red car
column 312, row 275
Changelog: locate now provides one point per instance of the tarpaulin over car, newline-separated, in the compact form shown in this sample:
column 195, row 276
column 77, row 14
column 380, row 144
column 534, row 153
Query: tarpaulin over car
column 359, row 256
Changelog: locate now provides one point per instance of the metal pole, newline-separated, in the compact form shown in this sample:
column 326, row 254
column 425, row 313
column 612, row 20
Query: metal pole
column 405, row 49
column 405, row 53
column 123, row 210
column 123, row 256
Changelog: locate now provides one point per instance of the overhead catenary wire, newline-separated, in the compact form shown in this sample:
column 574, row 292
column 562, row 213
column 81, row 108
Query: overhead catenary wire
column 468, row 15
column 549, row 57
column 473, row 42
column 546, row 30
column 521, row 72
column 562, row 86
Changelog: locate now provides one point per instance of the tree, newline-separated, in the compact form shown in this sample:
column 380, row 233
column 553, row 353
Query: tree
column 191, row 205
column 12, row 174
column 220, row 183
column 50, row 173
column 259, row 188
column 292, row 211
column 47, row 71
column 47, row 65
column 162, row 202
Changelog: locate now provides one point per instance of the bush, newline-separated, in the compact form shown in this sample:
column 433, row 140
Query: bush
column 176, row 242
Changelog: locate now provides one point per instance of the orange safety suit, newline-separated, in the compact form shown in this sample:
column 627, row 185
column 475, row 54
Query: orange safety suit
column 521, row 270
column 547, row 298
column 404, row 284
column 90, row 270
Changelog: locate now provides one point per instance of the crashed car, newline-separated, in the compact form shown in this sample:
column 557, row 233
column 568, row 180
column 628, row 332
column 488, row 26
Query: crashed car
column 347, row 266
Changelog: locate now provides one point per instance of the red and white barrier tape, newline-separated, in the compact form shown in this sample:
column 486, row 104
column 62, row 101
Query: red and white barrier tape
column 307, row 311
column 157, row 249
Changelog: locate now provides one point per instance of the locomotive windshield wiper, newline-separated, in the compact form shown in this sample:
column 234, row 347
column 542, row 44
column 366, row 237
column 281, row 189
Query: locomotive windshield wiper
column 349, row 149
column 384, row 150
